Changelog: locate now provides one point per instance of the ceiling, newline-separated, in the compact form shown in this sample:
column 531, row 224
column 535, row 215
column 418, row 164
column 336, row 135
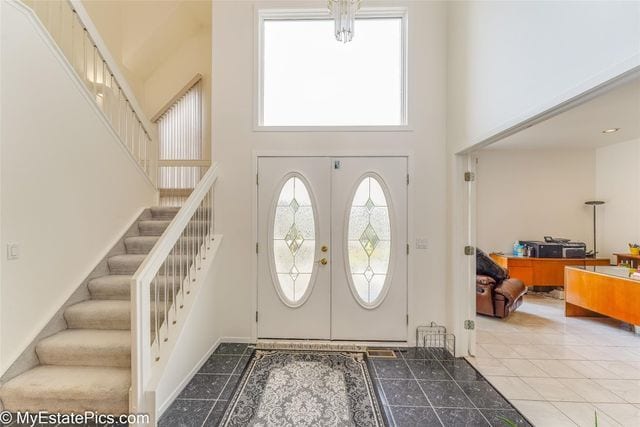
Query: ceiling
column 152, row 30
column 582, row 126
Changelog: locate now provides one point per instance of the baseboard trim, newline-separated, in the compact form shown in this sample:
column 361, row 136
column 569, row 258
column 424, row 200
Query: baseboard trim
column 174, row 394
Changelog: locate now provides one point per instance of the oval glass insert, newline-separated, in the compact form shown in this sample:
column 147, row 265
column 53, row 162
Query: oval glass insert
column 294, row 241
column 369, row 241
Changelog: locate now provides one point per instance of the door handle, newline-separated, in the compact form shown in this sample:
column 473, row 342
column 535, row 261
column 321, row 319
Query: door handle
column 323, row 261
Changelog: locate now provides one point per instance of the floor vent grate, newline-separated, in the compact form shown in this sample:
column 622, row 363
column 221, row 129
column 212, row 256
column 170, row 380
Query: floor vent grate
column 381, row 354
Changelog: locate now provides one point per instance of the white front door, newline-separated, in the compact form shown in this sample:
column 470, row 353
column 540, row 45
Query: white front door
column 369, row 235
column 332, row 260
column 294, row 214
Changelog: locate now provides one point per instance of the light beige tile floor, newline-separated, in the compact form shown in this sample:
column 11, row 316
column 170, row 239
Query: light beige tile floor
column 560, row 371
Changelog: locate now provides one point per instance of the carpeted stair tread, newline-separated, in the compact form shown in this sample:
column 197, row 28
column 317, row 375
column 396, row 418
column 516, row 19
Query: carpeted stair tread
column 153, row 227
column 86, row 347
column 140, row 244
column 69, row 389
column 144, row 244
column 125, row 264
column 164, row 212
column 118, row 287
column 169, row 212
column 99, row 314
column 157, row 227
column 113, row 287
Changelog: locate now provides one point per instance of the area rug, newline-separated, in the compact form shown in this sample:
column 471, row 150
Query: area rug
column 289, row 388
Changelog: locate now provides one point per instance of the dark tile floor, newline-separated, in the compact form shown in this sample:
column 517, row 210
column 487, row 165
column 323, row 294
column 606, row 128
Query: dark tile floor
column 423, row 387
column 204, row 400
column 418, row 388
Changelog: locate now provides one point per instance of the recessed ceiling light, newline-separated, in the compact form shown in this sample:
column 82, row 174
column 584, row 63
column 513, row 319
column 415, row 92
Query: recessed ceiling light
column 612, row 130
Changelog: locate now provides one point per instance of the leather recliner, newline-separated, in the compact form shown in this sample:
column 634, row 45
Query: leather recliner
column 498, row 299
column 497, row 294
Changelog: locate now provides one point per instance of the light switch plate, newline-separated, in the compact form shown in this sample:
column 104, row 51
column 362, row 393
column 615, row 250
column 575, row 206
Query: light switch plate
column 422, row 243
column 13, row 251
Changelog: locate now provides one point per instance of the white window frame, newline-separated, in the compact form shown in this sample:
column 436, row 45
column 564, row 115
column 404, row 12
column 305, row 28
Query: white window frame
column 265, row 14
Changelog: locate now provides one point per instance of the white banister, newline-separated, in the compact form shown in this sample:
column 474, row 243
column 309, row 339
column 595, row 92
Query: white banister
column 113, row 65
column 69, row 25
column 163, row 282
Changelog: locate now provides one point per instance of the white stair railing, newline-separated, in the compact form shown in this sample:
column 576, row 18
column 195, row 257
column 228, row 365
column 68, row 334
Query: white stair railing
column 161, row 288
column 181, row 161
column 69, row 25
column 177, row 179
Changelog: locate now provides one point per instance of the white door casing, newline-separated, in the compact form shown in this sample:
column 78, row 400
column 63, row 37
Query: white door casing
column 472, row 161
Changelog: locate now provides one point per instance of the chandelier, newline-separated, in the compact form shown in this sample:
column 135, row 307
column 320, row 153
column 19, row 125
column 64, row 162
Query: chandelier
column 344, row 15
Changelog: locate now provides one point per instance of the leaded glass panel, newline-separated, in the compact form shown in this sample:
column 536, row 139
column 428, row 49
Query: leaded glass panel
column 369, row 240
column 294, row 240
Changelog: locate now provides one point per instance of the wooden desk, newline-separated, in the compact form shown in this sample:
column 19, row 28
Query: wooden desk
column 633, row 259
column 602, row 290
column 542, row 271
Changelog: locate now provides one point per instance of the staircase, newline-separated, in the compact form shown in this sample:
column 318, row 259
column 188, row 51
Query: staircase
column 87, row 367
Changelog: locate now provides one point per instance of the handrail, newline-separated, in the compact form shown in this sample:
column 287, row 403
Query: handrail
column 78, row 7
column 79, row 41
column 160, row 284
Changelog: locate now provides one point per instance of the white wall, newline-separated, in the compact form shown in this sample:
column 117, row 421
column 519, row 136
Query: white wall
column 529, row 194
column 510, row 60
column 69, row 189
column 618, row 184
column 235, row 140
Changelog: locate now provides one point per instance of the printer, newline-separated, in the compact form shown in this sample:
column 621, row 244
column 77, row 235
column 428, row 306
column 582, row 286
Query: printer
column 555, row 248
column 537, row 249
column 574, row 250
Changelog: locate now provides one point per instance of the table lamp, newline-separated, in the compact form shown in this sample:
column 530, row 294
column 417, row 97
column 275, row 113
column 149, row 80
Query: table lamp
column 595, row 204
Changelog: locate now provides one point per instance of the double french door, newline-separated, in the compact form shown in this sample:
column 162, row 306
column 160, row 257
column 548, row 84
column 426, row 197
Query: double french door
column 332, row 234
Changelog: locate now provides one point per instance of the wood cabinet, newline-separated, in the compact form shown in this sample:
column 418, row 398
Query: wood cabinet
column 542, row 271
column 631, row 259
column 602, row 290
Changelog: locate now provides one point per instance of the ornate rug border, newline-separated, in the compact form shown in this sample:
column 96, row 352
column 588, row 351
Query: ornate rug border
column 359, row 357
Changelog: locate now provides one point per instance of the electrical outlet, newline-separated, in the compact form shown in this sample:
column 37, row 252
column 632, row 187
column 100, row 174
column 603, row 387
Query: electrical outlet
column 13, row 251
column 422, row 243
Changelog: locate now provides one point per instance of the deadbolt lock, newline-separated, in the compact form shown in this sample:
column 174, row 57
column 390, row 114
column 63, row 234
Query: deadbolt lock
column 324, row 249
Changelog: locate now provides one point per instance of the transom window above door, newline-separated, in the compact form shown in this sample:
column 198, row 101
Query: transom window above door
column 306, row 78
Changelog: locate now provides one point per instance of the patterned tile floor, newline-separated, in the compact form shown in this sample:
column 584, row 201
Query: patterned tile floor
column 561, row 370
column 418, row 388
